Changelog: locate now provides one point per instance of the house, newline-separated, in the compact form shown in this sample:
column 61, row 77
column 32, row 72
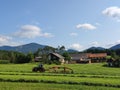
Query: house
column 88, row 57
column 97, row 57
column 56, row 56
column 38, row 59
column 80, row 58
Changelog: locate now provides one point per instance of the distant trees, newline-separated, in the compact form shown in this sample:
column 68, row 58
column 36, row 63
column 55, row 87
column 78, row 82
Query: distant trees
column 66, row 56
column 60, row 49
column 7, row 55
column 23, row 58
column 43, row 52
column 95, row 51
column 30, row 56
column 113, row 62
column 16, row 57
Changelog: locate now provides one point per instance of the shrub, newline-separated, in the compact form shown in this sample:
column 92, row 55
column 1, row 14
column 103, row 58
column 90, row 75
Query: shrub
column 116, row 63
column 21, row 58
column 56, row 62
column 4, row 61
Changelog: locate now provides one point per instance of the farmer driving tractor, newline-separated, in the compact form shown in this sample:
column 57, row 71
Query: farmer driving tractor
column 40, row 68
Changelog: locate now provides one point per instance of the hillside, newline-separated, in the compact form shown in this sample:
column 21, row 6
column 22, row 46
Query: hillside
column 72, row 51
column 98, row 48
column 31, row 47
column 115, row 47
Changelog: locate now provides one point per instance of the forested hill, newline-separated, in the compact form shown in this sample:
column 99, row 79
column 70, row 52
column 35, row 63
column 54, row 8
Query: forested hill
column 8, row 55
column 115, row 47
column 32, row 47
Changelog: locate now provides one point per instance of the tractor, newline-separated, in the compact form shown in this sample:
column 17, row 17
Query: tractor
column 54, row 69
column 40, row 68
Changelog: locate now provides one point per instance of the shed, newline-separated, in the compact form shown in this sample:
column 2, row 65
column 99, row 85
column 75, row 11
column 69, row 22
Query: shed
column 38, row 59
column 56, row 56
column 80, row 58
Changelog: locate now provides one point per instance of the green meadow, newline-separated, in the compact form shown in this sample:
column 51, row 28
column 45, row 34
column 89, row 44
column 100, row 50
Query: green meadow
column 85, row 77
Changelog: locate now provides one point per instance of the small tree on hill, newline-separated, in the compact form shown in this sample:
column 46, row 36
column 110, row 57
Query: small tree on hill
column 67, row 56
column 30, row 56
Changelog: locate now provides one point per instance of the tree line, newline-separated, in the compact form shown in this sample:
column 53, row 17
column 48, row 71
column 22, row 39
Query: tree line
column 44, row 52
column 17, row 57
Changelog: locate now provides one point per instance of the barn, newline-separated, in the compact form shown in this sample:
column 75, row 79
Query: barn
column 56, row 56
column 88, row 57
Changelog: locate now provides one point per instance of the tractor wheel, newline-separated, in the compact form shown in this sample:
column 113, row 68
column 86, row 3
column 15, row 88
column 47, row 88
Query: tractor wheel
column 35, row 69
column 42, row 70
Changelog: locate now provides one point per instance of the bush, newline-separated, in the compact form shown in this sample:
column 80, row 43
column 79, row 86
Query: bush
column 22, row 59
column 4, row 61
column 116, row 63
column 56, row 62
column 113, row 63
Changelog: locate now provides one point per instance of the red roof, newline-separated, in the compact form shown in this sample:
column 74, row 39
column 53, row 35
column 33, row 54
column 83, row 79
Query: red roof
column 97, row 55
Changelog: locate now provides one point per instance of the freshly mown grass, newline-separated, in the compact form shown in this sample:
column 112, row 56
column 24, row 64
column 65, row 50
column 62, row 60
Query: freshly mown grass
column 85, row 69
column 63, row 80
column 94, row 69
column 58, row 74
column 94, row 76
column 46, row 86
column 17, row 67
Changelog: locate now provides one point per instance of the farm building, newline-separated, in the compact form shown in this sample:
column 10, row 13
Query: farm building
column 97, row 57
column 88, row 57
column 38, row 59
column 56, row 56
column 79, row 58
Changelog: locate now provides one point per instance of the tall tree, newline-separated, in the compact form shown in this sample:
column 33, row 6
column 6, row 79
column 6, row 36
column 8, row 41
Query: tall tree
column 30, row 56
column 67, row 56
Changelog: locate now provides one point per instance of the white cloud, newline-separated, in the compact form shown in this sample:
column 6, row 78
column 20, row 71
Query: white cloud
column 76, row 46
column 86, row 26
column 31, row 31
column 47, row 35
column 113, row 12
column 28, row 31
column 6, row 40
column 117, row 42
column 95, row 43
column 73, row 34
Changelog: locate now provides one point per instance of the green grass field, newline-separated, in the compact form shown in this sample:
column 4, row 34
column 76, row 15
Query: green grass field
column 47, row 86
column 86, row 77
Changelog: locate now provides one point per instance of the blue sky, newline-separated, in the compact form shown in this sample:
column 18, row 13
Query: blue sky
column 76, row 24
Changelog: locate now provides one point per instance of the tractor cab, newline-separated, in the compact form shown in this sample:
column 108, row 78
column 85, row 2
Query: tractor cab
column 39, row 68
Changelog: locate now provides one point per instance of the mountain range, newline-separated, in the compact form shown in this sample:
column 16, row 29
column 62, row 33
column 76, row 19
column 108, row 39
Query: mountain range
column 101, row 48
column 72, row 51
column 115, row 47
column 32, row 47
column 98, row 48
